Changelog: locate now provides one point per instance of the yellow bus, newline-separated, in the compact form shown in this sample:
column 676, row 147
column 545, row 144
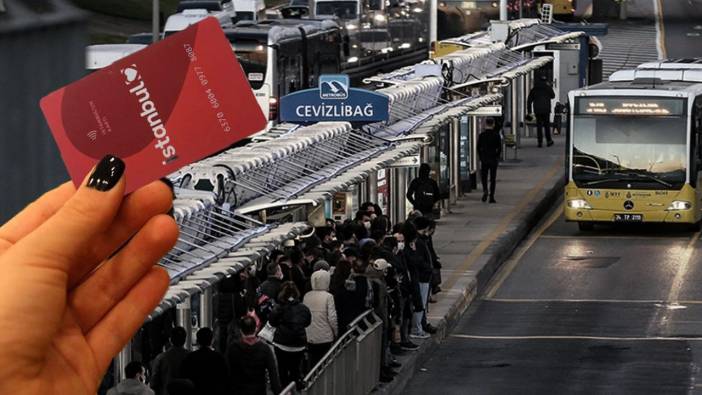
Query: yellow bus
column 571, row 9
column 635, row 147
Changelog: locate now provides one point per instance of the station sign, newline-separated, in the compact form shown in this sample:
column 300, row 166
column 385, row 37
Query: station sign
column 486, row 111
column 334, row 100
column 407, row 161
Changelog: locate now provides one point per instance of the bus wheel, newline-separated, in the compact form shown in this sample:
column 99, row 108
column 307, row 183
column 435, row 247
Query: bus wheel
column 586, row 226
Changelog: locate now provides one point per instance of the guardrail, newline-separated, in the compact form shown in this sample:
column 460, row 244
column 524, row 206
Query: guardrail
column 352, row 365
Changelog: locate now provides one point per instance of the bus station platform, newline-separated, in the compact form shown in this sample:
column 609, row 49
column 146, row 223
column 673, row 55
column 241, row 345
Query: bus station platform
column 475, row 238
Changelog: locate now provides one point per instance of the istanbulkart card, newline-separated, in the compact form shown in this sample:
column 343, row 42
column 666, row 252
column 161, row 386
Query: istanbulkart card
column 159, row 109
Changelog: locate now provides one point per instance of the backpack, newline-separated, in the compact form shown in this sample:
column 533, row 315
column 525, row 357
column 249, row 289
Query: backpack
column 424, row 194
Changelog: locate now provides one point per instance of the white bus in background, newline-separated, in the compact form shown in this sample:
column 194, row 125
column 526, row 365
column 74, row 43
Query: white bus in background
column 103, row 55
column 249, row 10
column 282, row 56
column 190, row 12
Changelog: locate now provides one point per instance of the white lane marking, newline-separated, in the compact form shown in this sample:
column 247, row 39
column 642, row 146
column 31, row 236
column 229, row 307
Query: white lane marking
column 564, row 337
column 529, row 300
column 682, row 304
column 595, row 237
column 684, row 264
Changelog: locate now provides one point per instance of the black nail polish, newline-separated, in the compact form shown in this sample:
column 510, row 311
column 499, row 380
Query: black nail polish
column 106, row 173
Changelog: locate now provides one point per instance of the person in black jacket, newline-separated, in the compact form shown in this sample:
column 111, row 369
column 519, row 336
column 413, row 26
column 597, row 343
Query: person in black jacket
column 539, row 104
column 249, row 359
column 290, row 318
column 418, row 260
column 423, row 192
column 489, row 151
column 205, row 367
column 166, row 366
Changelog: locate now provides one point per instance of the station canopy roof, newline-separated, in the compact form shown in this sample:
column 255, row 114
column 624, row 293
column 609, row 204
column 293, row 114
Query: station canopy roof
column 539, row 34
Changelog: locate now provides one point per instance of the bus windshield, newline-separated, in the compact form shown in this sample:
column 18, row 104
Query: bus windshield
column 638, row 152
column 253, row 57
column 244, row 16
column 341, row 9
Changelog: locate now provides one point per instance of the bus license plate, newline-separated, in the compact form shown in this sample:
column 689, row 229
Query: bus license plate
column 628, row 217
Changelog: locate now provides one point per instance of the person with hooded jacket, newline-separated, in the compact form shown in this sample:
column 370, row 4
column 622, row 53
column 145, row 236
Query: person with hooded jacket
column 423, row 192
column 290, row 318
column 323, row 329
column 249, row 360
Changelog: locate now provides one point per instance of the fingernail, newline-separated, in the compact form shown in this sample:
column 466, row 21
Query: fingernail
column 106, row 173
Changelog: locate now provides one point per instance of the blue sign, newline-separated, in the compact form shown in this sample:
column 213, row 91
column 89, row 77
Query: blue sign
column 334, row 100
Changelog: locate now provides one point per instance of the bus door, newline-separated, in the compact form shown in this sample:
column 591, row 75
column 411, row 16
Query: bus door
column 696, row 153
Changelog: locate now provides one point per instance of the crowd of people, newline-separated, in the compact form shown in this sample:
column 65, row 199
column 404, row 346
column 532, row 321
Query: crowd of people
column 276, row 323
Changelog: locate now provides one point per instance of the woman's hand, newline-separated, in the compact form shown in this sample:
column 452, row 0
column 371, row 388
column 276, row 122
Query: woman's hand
column 78, row 279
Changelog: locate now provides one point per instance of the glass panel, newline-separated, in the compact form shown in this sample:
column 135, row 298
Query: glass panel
column 643, row 152
column 253, row 57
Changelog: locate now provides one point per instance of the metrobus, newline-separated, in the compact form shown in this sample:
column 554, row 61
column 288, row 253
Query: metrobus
column 191, row 12
column 282, row 56
column 457, row 17
column 635, row 147
column 380, row 35
column 571, row 9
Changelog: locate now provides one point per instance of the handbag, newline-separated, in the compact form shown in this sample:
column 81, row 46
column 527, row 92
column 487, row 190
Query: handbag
column 267, row 333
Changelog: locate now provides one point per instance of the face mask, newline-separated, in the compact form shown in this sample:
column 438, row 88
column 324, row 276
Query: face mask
column 367, row 224
column 373, row 216
column 333, row 238
column 400, row 245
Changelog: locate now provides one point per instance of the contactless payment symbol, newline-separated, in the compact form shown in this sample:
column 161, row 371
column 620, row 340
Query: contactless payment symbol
column 334, row 86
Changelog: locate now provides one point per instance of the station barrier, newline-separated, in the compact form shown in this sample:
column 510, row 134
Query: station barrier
column 352, row 364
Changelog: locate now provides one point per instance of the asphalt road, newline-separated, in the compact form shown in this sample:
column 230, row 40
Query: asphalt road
column 683, row 27
column 616, row 310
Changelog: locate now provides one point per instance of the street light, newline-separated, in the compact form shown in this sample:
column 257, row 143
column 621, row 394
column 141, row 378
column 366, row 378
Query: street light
column 155, row 21
column 503, row 10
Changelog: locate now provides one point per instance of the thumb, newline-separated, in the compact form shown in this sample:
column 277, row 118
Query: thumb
column 63, row 240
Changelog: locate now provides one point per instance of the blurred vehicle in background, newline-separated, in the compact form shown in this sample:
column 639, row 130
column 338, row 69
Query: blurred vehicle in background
column 103, row 55
column 190, row 12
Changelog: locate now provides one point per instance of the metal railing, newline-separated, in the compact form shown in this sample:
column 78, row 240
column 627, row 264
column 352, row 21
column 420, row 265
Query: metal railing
column 351, row 366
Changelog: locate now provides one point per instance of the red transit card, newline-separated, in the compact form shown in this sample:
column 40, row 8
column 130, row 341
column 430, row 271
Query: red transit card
column 159, row 109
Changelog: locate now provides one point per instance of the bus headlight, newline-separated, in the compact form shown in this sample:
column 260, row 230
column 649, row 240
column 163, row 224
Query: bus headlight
column 579, row 204
column 679, row 205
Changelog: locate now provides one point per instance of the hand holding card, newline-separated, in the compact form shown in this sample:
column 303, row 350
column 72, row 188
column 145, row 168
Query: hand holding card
column 159, row 109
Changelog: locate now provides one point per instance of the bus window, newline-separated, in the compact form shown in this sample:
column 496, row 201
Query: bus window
column 253, row 57
column 244, row 16
column 341, row 9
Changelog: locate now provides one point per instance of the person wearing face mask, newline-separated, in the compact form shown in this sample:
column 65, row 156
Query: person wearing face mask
column 133, row 384
column 369, row 208
column 363, row 224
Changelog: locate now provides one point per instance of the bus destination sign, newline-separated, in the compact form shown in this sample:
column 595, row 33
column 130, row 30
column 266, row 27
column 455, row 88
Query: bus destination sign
column 630, row 106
